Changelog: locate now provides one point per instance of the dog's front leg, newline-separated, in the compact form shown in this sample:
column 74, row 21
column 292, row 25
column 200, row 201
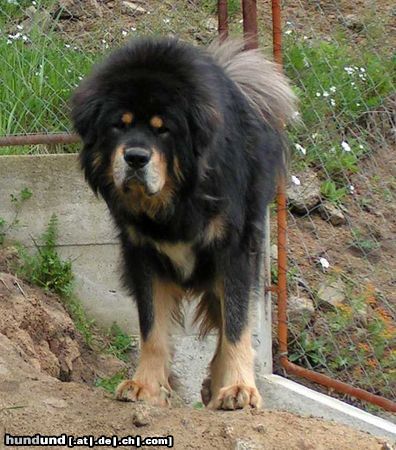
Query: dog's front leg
column 150, row 382
column 232, row 381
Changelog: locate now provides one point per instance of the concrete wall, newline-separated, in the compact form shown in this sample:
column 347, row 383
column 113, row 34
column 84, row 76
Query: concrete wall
column 86, row 232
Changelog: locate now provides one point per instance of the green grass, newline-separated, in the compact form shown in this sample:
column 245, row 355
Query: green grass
column 110, row 384
column 336, row 87
column 119, row 343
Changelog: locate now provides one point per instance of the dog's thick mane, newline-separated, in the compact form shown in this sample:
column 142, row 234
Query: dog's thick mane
column 260, row 80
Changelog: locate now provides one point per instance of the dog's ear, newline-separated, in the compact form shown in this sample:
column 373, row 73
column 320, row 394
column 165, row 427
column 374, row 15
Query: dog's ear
column 204, row 122
column 85, row 109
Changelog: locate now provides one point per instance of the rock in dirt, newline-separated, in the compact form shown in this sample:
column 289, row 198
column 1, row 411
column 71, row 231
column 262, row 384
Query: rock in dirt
column 141, row 416
column 228, row 431
column 330, row 213
column 240, row 444
column 353, row 22
column 331, row 293
column 260, row 428
column 300, row 310
column 39, row 19
column 133, row 9
column 211, row 24
column 305, row 195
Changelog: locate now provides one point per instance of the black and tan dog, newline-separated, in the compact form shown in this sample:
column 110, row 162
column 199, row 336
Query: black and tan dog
column 184, row 146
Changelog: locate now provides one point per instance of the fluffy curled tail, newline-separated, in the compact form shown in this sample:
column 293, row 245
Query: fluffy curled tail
column 260, row 80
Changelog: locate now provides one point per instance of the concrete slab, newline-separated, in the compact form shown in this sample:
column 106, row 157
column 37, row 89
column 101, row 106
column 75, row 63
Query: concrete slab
column 281, row 393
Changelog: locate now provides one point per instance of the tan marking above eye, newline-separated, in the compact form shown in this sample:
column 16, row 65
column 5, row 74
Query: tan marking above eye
column 156, row 122
column 127, row 118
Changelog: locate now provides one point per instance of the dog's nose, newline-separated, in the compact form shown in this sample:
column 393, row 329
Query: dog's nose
column 137, row 157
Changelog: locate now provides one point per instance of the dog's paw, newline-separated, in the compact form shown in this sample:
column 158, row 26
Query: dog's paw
column 237, row 396
column 135, row 391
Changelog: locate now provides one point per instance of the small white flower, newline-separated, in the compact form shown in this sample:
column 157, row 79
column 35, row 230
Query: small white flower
column 305, row 38
column 357, row 104
column 124, row 33
column 104, row 41
column 351, row 189
column 332, row 102
column 295, row 114
column 349, row 70
column 20, row 27
column 361, row 146
column 80, row 78
column 9, row 41
column 353, row 83
column 25, row 38
column 133, row 28
column 362, row 69
column 166, row 20
column 67, row 45
column 295, row 180
column 345, row 146
column 301, row 149
column 318, row 94
column 288, row 23
column 333, row 89
column 324, row 263
column 288, row 31
column 314, row 136
column 325, row 94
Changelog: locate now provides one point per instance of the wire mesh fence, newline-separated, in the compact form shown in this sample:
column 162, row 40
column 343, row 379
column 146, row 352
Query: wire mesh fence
column 47, row 46
column 341, row 278
column 341, row 226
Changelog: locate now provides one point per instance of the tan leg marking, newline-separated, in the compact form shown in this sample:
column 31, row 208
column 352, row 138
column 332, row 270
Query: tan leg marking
column 232, row 384
column 215, row 230
column 151, row 380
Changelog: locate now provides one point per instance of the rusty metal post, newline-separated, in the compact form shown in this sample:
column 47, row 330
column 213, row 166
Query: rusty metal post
column 37, row 139
column 250, row 28
column 222, row 11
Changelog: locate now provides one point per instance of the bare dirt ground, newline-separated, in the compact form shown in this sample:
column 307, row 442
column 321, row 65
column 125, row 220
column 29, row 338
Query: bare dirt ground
column 46, row 387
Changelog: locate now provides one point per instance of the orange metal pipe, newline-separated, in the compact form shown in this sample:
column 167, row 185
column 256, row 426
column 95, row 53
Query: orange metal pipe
column 35, row 139
column 222, row 11
column 282, row 273
column 337, row 385
column 250, row 27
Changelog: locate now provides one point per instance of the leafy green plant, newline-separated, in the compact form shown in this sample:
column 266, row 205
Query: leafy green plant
column 234, row 6
column 120, row 343
column 45, row 268
column 365, row 244
column 17, row 201
column 309, row 351
column 110, row 384
column 331, row 192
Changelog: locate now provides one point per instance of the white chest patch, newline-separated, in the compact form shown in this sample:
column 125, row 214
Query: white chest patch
column 182, row 256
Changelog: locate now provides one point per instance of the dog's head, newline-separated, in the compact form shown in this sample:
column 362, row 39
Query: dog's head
column 146, row 116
